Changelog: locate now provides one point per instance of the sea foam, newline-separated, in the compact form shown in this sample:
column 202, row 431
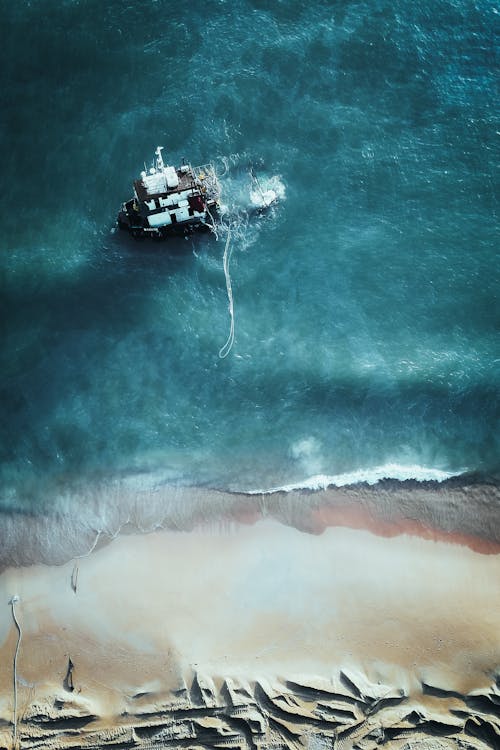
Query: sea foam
column 369, row 476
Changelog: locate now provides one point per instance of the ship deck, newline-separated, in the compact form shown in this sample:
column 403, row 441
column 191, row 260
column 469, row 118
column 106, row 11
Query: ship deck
column 186, row 182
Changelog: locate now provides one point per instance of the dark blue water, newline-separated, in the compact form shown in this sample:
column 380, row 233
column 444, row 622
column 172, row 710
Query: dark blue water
column 366, row 313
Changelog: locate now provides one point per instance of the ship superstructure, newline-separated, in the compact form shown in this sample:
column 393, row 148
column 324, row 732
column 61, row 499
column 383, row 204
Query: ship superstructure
column 171, row 200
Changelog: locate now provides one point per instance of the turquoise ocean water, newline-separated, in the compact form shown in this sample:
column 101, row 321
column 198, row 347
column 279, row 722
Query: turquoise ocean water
column 366, row 313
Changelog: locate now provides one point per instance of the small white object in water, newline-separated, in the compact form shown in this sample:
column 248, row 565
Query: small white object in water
column 268, row 197
column 263, row 199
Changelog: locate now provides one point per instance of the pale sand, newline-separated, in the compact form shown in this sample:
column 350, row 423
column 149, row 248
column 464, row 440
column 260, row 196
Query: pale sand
column 274, row 617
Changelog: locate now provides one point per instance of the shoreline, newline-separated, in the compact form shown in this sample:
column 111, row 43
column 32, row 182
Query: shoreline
column 463, row 510
column 258, row 633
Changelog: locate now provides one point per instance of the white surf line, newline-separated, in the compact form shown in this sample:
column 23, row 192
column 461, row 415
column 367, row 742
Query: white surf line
column 397, row 472
column 12, row 603
column 224, row 350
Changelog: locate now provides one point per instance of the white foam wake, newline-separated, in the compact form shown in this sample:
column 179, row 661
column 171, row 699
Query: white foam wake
column 267, row 191
column 368, row 476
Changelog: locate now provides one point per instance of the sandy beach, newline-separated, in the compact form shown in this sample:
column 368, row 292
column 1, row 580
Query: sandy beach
column 247, row 630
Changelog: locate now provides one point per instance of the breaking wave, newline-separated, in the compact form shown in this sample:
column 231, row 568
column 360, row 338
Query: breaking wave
column 364, row 476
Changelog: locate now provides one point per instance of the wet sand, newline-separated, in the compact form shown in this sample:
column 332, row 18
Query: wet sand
column 462, row 510
column 255, row 628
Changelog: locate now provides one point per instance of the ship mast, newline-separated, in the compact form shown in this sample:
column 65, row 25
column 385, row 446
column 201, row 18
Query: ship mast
column 159, row 159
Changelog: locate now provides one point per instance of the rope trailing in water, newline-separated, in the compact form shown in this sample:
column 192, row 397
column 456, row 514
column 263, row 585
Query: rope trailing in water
column 212, row 226
column 224, row 351
column 20, row 635
column 256, row 182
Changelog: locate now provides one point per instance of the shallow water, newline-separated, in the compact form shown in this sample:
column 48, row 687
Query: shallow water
column 366, row 324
